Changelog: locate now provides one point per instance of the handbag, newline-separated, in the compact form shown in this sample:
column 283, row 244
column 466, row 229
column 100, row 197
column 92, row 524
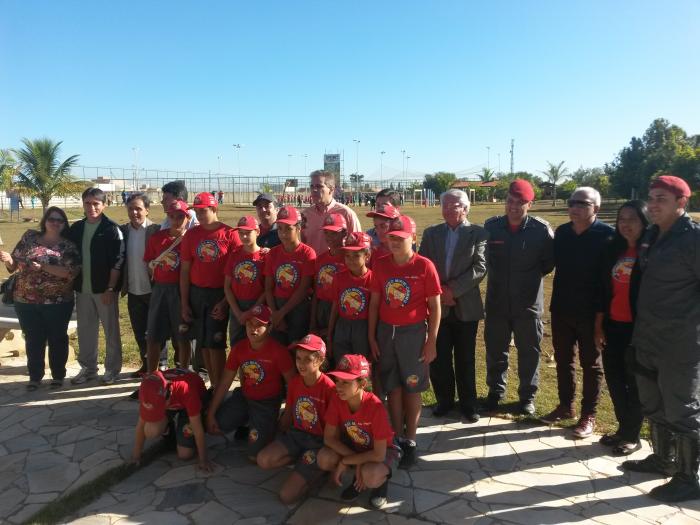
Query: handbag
column 7, row 289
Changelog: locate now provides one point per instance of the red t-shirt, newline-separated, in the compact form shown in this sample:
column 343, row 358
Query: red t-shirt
column 327, row 267
column 186, row 391
column 361, row 429
column 207, row 251
column 167, row 271
column 308, row 404
column 246, row 272
column 377, row 253
column 261, row 370
column 620, row 309
column 404, row 289
column 287, row 268
column 352, row 294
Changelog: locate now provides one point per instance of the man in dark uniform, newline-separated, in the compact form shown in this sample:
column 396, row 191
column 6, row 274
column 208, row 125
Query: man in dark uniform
column 666, row 340
column 266, row 207
column 520, row 252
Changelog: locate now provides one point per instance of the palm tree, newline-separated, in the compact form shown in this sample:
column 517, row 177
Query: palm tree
column 486, row 175
column 41, row 173
column 555, row 173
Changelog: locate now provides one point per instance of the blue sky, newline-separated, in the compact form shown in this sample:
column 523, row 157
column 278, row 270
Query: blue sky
column 443, row 80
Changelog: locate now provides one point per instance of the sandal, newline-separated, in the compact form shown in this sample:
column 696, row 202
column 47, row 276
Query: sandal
column 625, row 448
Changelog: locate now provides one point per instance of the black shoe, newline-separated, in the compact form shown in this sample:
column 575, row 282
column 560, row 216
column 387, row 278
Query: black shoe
column 408, row 457
column 680, row 488
column 442, row 409
column 526, row 408
column 470, row 415
column 241, row 433
column 652, row 464
column 491, row 403
column 138, row 373
column 134, row 395
column 377, row 498
column 610, row 440
column 350, row 493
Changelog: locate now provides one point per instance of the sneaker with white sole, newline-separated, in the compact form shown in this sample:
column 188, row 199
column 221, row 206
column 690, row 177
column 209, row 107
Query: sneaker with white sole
column 83, row 376
column 377, row 498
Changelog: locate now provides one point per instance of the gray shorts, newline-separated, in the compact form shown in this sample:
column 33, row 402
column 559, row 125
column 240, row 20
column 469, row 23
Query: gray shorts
column 350, row 337
column 164, row 314
column 236, row 330
column 303, row 447
column 297, row 321
column 400, row 348
column 261, row 415
column 209, row 332
column 323, row 313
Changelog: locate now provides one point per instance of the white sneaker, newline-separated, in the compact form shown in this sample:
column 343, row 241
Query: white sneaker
column 109, row 378
column 83, row 376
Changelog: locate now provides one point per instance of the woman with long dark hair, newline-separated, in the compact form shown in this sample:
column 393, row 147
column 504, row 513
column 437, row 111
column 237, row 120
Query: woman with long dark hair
column 47, row 262
column 614, row 325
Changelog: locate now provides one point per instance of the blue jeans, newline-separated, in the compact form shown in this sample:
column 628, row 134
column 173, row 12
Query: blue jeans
column 42, row 324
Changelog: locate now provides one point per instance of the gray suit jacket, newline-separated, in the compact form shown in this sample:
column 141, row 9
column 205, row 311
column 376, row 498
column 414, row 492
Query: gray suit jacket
column 467, row 270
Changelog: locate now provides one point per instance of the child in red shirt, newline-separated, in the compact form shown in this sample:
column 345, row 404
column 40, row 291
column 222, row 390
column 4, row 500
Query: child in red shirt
column 203, row 303
column 358, row 434
column 176, row 395
column 381, row 217
column 261, row 363
column 303, row 420
column 289, row 269
column 244, row 284
column 164, row 315
column 405, row 296
column 328, row 264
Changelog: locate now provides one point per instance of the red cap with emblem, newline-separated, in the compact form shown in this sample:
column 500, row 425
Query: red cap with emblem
column 178, row 207
column 522, row 189
column 204, row 200
column 312, row 343
column 334, row 222
column 351, row 366
column 386, row 210
column 247, row 222
column 671, row 183
column 288, row 215
column 152, row 397
column 357, row 241
column 402, row 226
column 260, row 312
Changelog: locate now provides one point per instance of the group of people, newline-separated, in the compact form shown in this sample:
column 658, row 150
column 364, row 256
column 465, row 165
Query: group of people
column 297, row 292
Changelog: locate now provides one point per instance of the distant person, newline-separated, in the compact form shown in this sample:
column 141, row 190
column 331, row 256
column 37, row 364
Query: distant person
column 124, row 195
column 322, row 188
column 267, row 208
column 47, row 262
column 578, row 247
column 666, row 340
column 520, row 253
column 101, row 246
column 221, row 197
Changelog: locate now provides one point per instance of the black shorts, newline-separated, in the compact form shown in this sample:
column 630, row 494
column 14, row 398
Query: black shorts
column 209, row 332
column 350, row 337
column 400, row 354
column 303, row 447
column 164, row 315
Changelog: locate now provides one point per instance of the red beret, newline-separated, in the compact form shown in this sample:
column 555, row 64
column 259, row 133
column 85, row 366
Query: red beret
column 522, row 189
column 675, row 185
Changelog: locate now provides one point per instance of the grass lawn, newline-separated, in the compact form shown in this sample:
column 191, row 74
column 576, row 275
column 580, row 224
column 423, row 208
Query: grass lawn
column 547, row 395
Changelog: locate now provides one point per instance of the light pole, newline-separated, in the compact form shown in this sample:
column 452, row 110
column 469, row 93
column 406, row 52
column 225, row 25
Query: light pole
column 406, row 174
column 381, row 169
column 135, row 149
column 357, row 160
column 305, row 157
column 218, row 157
column 403, row 162
column 488, row 157
column 289, row 163
column 238, row 157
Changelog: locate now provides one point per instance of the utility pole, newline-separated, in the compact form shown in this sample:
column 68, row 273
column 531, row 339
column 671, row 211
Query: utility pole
column 238, row 157
column 512, row 147
column 403, row 162
column 488, row 157
column 381, row 168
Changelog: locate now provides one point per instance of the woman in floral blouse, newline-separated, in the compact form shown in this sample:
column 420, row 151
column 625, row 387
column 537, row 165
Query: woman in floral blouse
column 47, row 263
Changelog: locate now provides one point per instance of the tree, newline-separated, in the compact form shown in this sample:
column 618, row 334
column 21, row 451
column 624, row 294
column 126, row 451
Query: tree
column 486, row 175
column 440, row 182
column 554, row 174
column 8, row 169
column 593, row 177
column 41, row 174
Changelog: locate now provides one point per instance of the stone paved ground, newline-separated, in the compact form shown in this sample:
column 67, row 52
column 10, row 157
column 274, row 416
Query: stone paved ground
column 497, row 471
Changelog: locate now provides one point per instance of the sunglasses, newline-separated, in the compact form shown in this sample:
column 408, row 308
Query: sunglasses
column 572, row 203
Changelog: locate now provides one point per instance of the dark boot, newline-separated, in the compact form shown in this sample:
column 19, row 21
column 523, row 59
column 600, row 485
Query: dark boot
column 663, row 460
column 684, row 484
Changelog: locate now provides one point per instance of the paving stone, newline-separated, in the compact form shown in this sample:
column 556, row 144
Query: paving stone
column 259, row 520
column 680, row 519
column 249, row 474
column 11, row 432
column 102, row 503
column 318, row 512
column 37, row 420
column 399, row 500
column 101, row 456
column 177, row 476
column 26, row 512
column 171, row 518
column 27, row 441
column 605, row 513
column 359, row 515
column 539, row 515
column 457, row 512
column 246, row 500
column 133, row 503
column 10, row 500
column 445, row 481
column 184, row 494
column 424, row 500
column 53, row 479
column 41, row 498
column 76, row 434
column 393, row 519
column 12, row 462
column 95, row 472
column 213, row 513
column 494, row 492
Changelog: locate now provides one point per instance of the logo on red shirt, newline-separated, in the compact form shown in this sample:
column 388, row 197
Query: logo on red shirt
column 622, row 271
column 353, row 301
column 245, row 272
column 357, row 434
column 325, row 275
column 208, row 250
column 286, row 276
column 170, row 262
column 397, row 292
column 305, row 413
column 252, row 373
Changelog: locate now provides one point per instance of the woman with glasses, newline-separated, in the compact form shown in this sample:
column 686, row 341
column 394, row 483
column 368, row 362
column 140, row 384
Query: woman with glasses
column 46, row 262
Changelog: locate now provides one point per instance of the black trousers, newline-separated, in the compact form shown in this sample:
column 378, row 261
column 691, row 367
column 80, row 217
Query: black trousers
column 621, row 381
column 138, row 315
column 456, row 341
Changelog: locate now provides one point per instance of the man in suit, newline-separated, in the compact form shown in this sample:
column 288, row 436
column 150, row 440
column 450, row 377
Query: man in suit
column 458, row 250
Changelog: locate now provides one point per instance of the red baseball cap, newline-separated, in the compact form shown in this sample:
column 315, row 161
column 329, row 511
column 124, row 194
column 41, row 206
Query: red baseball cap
column 289, row 215
column 351, row 366
column 334, row 222
column 522, row 189
column 357, row 241
column 248, row 222
column 402, row 226
column 671, row 183
column 152, row 397
column 178, row 207
column 312, row 343
column 204, row 200
column 386, row 210
column 261, row 312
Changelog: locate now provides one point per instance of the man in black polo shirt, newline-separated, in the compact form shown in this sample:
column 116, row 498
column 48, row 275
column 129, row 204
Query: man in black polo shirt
column 266, row 207
column 577, row 255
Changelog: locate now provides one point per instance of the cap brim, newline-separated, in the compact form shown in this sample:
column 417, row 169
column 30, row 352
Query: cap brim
column 306, row 347
column 248, row 318
column 255, row 202
column 355, row 248
column 194, row 207
column 344, row 375
column 378, row 214
column 291, row 222
column 335, row 229
column 182, row 212
column 249, row 228
column 400, row 233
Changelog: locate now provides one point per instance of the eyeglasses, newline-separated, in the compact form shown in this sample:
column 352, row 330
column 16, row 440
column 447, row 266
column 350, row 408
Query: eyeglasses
column 55, row 220
column 573, row 203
